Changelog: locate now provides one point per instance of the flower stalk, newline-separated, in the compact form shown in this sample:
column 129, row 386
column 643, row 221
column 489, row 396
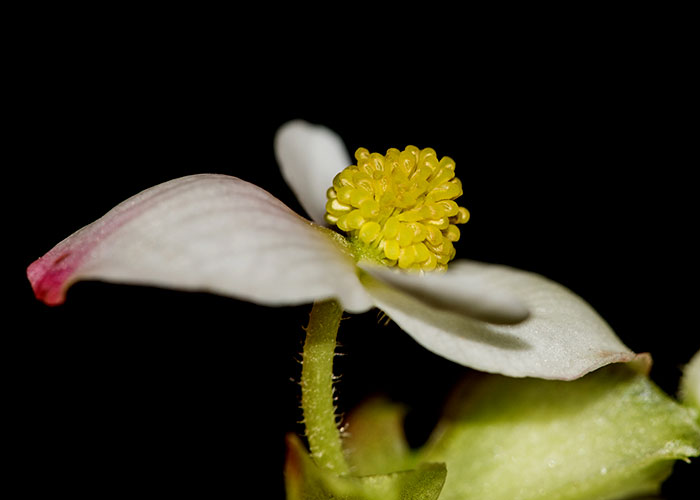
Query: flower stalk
column 317, row 387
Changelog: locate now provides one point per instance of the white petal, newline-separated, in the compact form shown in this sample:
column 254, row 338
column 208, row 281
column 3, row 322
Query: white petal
column 469, row 288
column 208, row 233
column 310, row 156
column 564, row 338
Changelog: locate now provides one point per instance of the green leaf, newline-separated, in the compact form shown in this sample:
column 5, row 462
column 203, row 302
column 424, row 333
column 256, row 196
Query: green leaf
column 306, row 481
column 611, row 434
column 422, row 483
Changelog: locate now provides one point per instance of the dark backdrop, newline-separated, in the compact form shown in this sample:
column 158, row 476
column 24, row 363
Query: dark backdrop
column 572, row 160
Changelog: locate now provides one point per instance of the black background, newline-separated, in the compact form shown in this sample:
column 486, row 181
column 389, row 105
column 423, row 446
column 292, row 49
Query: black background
column 571, row 144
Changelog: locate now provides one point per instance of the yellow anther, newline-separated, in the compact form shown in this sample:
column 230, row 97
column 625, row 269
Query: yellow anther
column 441, row 176
column 462, row 215
column 434, row 235
column 422, row 252
column 344, row 194
column 400, row 207
column 361, row 153
column 369, row 231
column 391, row 249
column 343, row 178
column 449, row 207
column 430, row 263
column 369, row 208
column 452, row 233
column 355, row 219
column 417, row 230
column 334, row 206
column 405, row 235
column 407, row 256
column 391, row 228
column 440, row 223
column 446, row 191
column 358, row 196
column 447, row 162
column 432, row 211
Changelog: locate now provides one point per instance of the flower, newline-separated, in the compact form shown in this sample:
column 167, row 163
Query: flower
column 399, row 209
column 221, row 234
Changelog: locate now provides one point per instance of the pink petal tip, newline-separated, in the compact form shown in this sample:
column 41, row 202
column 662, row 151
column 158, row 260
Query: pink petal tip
column 49, row 277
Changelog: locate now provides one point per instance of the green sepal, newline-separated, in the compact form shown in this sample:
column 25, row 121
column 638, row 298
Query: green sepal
column 306, row 481
column 376, row 441
column 611, row 434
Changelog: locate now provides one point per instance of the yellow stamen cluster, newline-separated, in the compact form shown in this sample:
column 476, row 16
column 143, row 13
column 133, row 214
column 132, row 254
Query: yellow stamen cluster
column 400, row 206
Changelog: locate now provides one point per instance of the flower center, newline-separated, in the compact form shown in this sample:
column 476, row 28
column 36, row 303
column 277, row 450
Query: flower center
column 399, row 208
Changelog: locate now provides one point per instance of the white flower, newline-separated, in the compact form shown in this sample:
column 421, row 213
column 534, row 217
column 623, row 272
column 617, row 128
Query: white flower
column 224, row 235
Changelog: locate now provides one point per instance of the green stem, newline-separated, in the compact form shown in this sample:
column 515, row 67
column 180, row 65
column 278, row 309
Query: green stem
column 317, row 387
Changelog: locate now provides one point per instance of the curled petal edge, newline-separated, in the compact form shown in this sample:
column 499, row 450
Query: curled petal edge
column 563, row 339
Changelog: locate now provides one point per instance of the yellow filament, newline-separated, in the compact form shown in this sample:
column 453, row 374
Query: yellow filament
column 400, row 206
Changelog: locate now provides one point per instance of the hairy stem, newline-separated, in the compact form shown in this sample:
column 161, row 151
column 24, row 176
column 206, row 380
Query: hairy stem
column 317, row 387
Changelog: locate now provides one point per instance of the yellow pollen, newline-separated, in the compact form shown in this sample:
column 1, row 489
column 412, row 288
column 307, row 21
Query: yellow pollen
column 400, row 206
